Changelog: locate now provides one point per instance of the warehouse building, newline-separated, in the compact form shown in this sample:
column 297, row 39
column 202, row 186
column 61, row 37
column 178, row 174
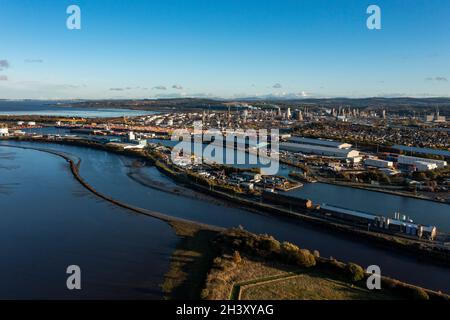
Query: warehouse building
column 396, row 225
column 319, row 150
column 320, row 142
column 4, row 132
column 422, row 164
column 378, row 163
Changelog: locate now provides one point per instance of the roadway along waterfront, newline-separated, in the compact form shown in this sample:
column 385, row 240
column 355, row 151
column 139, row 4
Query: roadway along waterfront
column 421, row 211
column 108, row 173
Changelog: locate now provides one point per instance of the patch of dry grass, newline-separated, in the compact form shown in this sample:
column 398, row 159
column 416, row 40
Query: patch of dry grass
column 225, row 273
column 310, row 285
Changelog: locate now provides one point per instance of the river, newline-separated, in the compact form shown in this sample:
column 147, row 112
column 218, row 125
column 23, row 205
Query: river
column 48, row 221
column 107, row 172
column 377, row 203
column 49, row 108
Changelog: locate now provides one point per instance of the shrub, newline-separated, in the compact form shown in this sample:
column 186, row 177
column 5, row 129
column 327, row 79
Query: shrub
column 305, row 259
column 271, row 245
column 355, row 272
column 237, row 243
column 289, row 251
column 249, row 244
column 419, row 294
column 204, row 294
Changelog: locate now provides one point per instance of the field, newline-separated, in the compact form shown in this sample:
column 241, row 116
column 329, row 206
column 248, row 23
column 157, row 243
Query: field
column 308, row 286
column 235, row 264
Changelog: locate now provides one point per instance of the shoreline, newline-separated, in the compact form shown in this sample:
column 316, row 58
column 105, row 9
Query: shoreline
column 349, row 185
column 388, row 241
column 404, row 245
column 394, row 193
column 368, row 188
column 74, row 169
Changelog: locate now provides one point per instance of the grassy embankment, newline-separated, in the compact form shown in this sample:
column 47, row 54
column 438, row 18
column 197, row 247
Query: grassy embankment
column 236, row 264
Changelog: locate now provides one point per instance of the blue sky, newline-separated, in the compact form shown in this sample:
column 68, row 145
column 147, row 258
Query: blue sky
column 223, row 48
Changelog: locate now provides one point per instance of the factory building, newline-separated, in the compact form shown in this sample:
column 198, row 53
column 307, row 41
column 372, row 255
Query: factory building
column 378, row 163
column 397, row 224
column 320, row 142
column 421, row 164
column 424, row 166
column 4, row 132
column 319, row 150
column 435, row 118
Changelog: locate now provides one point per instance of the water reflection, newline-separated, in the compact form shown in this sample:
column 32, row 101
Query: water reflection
column 109, row 174
column 48, row 222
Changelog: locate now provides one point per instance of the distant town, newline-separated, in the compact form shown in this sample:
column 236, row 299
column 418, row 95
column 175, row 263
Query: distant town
column 384, row 151
column 397, row 153
column 251, row 151
column 392, row 152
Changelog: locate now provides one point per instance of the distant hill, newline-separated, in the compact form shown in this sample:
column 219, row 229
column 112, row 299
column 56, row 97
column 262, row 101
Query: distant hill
column 404, row 104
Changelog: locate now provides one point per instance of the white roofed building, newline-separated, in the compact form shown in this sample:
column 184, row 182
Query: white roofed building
column 319, row 150
column 320, row 142
column 4, row 132
column 378, row 163
column 422, row 163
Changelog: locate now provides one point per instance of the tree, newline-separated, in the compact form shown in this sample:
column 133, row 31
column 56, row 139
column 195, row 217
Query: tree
column 270, row 244
column 420, row 176
column 419, row 294
column 432, row 175
column 383, row 178
column 289, row 251
column 305, row 259
column 355, row 271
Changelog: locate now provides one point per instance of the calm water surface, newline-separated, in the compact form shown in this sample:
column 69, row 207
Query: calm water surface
column 48, row 222
column 43, row 108
column 424, row 212
column 107, row 172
